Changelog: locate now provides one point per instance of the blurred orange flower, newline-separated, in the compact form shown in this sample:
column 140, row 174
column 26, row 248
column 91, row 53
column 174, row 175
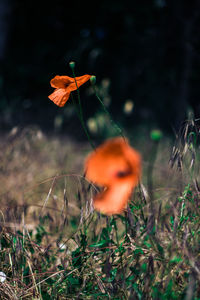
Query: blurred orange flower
column 116, row 166
column 64, row 85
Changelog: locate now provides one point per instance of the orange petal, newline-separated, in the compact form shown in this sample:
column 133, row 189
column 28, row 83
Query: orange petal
column 116, row 166
column 66, row 82
column 61, row 82
column 79, row 81
column 82, row 79
column 59, row 97
column 113, row 162
column 114, row 199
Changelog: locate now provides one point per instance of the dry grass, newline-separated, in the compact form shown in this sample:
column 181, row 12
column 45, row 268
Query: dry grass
column 38, row 172
column 53, row 246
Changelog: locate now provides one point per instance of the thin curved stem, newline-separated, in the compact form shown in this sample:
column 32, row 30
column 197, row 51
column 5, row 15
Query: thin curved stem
column 80, row 112
column 117, row 128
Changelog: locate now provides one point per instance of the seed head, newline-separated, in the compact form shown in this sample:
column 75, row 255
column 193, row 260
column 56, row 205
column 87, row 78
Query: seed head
column 156, row 135
column 93, row 79
column 72, row 64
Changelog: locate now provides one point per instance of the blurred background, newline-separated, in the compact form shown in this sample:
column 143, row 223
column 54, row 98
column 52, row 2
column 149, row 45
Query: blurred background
column 145, row 54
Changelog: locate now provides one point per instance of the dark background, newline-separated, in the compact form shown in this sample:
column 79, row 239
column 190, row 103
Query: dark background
column 149, row 49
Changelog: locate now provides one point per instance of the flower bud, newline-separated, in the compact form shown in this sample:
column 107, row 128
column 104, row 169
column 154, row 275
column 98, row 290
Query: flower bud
column 93, row 79
column 72, row 64
column 156, row 135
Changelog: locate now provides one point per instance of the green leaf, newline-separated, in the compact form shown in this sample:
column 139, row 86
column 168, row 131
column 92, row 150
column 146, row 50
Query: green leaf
column 148, row 245
column 100, row 244
column 176, row 259
column 144, row 267
column 138, row 251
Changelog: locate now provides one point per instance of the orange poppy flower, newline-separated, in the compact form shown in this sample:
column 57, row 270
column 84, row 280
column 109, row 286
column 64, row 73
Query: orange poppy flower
column 116, row 166
column 64, row 85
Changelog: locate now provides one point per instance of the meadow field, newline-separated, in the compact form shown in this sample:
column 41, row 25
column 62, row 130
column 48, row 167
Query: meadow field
column 99, row 150
column 54, row 245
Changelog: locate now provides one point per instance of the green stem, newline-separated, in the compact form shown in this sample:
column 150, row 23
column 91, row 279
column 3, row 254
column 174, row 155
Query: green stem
column 150, row 169
column 108, row 114
column 113, row 220
column 80, row 112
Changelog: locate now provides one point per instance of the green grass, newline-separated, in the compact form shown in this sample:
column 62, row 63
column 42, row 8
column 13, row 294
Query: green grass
column 54, row 246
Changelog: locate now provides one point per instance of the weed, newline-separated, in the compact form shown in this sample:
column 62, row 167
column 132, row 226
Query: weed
column 55, row 246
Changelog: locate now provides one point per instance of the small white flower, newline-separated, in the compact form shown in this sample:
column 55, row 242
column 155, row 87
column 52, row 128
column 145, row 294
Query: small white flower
column 128, row 107
column 62, row 246
column 92, row 125
column 2, row 276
